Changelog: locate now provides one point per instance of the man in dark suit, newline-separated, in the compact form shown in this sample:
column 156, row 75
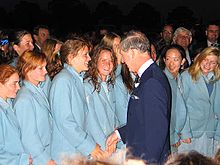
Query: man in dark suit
column 40, row 34
column 146, row 133
column 212, row 38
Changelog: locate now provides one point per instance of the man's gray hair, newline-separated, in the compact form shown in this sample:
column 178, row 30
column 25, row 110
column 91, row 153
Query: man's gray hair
column 180, row 30
column 135, row 40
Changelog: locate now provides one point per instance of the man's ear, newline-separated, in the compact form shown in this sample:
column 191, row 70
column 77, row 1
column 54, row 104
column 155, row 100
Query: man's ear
column 135, row 53
column 35, row 37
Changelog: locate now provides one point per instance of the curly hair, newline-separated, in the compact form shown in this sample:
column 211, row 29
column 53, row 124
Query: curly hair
column 92, row 73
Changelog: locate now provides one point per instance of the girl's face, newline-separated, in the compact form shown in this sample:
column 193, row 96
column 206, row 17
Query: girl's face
column 173, row 61
column 11, row 87
column 38, row 74
column 209, row 64
column 81, row 60
column 26, row 44
column 105, row 64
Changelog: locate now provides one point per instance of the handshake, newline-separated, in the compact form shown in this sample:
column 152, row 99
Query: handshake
column 110, row 146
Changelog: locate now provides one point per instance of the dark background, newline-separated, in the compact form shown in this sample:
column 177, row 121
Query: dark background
column 64, row 16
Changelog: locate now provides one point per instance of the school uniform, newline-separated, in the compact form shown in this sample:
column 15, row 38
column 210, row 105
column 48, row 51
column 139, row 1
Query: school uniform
column 69, row 109
column 11, row 148
column 34, row 117
column 179, row 123
column 199, row 99
column 102, row 119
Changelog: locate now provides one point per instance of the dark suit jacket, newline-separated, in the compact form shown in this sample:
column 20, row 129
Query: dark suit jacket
column 37, row 49
column 201, row 45
column 147, row 129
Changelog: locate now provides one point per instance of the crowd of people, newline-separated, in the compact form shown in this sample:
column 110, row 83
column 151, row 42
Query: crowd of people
column 93, row 98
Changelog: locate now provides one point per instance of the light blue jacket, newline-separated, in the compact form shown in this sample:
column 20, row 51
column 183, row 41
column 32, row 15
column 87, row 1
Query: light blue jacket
column 102, row 119
column 217, row 110
column 11, row 149
column 199, row 105
column 179, row 125
column 34, row 117
column 122, row 97
column 69, row 109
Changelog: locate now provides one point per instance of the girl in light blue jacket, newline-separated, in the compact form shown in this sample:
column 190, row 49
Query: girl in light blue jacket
column 32, row 108
column 100, row 96
column 173, row 57
column 68, row 104
column 11, row 149
column 199, row 92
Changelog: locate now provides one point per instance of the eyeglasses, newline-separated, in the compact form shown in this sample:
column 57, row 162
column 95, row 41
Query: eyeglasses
column 168, row 32
column 213, row 31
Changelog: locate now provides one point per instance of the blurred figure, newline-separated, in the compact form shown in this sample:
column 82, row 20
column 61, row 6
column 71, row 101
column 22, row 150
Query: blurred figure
column 12, row 151
column 153, row 51
column 166, row 37
column 190, row 158
column 199, row 92
column 212, row 36
column 183, row 37
column 68, row 104
column 5, row 56
column 114, row 160
column 40, row 34
column 51, row 49
column 32, row 108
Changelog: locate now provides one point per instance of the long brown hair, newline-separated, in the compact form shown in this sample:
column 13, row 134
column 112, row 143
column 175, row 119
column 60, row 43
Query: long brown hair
column 92, row 73
column 54, row 64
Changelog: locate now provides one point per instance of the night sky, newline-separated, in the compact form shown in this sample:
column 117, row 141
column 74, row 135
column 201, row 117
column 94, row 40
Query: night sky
column 207, row 10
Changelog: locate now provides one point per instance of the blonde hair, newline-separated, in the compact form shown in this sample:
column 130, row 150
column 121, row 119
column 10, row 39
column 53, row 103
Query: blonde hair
column 195, row 69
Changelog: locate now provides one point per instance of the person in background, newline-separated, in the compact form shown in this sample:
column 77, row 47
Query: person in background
column 153, row 51
column 51, row 49
column 147, row 130
column 21, row 41
column 40, row 34
column 173, row 57
column 68, row 104
column 12, row 151
column 5, row 56
column 166, row 37
column 183, row 37
column 100, row 96
column 212, row 36
column 199, row 93
column 32, row 108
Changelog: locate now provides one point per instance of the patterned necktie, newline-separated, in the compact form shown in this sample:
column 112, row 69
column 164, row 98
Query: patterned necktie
column 137, row 79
